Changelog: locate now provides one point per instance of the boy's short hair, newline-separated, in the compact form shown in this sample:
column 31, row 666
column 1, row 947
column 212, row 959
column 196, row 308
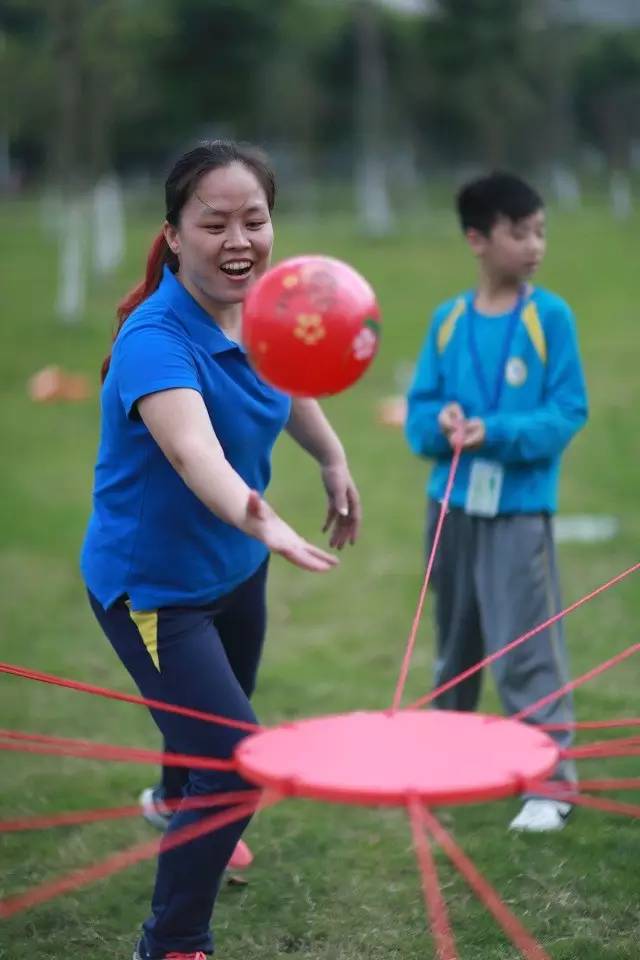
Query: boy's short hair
column 481, row 201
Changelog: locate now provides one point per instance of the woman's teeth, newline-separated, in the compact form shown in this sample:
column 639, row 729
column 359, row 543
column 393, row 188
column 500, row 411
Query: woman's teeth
column 236, row 268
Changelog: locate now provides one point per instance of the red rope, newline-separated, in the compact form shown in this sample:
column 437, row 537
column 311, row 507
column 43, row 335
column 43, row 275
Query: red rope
column 16, row 671
column 595, row 803
column 518, row 935
column 411, row 642
column 434, row 901
column 604, row 747
column 620, row 783
column 592, row 724
column 87, row 749
column 77, row 818
column 567, row 687
column 615, row 783
column 578, row 753
column 470, row 671
column 125, row 858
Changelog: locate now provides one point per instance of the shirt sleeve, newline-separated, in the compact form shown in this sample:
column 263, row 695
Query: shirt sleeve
column 149, row 358
column 425, row 401
column 543, row 433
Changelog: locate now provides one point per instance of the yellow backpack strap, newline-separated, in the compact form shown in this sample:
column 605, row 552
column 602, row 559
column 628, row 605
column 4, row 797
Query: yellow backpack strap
column 531, row 320
column 448, row 326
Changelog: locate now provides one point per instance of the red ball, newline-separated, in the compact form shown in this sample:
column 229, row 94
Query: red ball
column 311, row 326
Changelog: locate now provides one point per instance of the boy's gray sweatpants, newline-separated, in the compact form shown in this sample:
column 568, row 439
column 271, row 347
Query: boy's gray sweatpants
column 494, row 580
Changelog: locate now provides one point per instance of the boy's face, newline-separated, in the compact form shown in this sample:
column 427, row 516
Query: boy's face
column 514, row 248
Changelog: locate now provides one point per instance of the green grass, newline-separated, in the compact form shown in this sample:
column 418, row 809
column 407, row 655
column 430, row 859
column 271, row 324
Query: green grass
column 329, row 882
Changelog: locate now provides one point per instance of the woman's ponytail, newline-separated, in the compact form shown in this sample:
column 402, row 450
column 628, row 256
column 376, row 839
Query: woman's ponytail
column 159, row 255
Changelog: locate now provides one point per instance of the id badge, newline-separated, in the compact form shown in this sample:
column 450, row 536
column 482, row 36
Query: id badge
column 485, row 487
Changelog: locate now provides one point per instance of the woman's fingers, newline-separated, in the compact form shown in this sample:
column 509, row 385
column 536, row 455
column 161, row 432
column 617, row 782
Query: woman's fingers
column 308, row 557
column 355, row 509
column 340, row 534
column 319, row 554
column 330, row 518
column 280, row 538
column 347, row 527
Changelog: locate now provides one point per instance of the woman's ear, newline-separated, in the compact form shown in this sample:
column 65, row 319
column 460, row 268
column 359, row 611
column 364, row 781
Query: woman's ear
column 171, row 236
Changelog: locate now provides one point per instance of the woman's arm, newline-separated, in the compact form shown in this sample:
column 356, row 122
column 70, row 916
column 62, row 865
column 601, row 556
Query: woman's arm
column 179, row 423
column 310, row 428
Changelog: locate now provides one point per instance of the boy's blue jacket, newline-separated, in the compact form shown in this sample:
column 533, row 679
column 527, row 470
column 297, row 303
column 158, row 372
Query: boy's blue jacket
column 531, row 407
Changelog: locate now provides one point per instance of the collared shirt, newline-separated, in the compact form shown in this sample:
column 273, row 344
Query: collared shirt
column 149, row 537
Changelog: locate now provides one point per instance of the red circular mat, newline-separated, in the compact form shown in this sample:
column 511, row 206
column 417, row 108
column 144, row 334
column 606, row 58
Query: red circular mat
column 441, row 756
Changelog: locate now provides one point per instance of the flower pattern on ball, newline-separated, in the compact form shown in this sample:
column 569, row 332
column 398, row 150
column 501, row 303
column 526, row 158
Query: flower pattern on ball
column 309, row 328
column 365, row 344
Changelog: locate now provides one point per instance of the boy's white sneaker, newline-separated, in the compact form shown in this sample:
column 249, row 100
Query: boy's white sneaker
column 540, row 815
column 153, row 809
column 158, row 814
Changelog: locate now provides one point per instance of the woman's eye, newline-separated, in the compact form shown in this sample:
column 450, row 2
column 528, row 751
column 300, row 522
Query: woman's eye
column 256, row 224
column 214, row 227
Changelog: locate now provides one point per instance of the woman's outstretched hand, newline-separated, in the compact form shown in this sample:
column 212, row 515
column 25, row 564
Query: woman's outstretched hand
column 344, row 513
column 265, row 525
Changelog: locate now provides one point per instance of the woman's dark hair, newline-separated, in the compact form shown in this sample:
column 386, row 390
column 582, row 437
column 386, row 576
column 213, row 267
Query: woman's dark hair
column 180, row 185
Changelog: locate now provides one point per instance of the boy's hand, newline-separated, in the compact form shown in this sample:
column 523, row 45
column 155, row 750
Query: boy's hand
column 470, row 434
column 450, row 417
column 474, row 433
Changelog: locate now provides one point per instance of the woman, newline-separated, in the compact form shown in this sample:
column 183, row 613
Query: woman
column 176, row 552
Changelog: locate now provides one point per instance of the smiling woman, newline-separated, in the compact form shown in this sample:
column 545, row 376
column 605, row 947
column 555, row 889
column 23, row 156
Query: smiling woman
column 223, row 240
column 193, row 211
column 176, row 551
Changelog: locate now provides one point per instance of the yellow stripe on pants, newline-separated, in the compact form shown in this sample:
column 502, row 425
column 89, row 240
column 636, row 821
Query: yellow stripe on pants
column 147, row 623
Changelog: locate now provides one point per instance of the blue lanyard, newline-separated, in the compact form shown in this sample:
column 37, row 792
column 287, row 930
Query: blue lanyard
column 492, row 399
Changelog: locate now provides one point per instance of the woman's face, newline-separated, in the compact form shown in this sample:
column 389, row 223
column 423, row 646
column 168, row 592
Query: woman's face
column 224, row 236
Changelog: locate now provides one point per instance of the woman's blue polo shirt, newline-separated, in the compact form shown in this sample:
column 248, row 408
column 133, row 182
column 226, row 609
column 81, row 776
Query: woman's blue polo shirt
column 149, row 537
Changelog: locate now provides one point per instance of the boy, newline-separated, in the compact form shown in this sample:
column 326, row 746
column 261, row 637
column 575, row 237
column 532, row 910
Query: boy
column 500, row 369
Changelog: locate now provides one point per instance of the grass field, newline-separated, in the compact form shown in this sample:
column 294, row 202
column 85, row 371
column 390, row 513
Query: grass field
column 329, row 883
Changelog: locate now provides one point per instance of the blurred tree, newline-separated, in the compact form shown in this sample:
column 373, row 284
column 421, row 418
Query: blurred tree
column 607, row 95
column 308, row 87
column 328, row 81
column 25, row 82
column 371, row 107
column 73, row 69
column 211, row 68
column 297, row 110
column 89, row 84
column 481, row 86
column 66, row 22
column 354, row 102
